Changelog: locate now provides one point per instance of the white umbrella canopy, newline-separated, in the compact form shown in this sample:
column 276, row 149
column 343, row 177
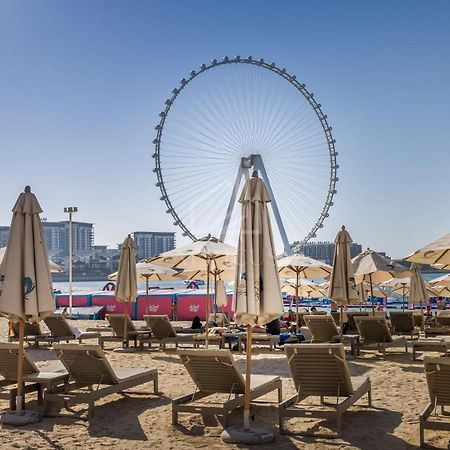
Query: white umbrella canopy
column 221, row 294
column 208, row 254
column 441, row 291
column 257, row 294
column 417, row 289
column 303, row 266
column 148, row 271
column 305, row 290
column 26, row 292
column 54, row 268
column 375, row 268
column 443, row 280
column 438, row 252
column 401, row 286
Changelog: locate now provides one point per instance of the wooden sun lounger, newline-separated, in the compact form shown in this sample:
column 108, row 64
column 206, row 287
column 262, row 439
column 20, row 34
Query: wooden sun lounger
column 403, row 324
column 262, row 339
column 320, row 370
column 215, row 372
column 35, row 380
column 32, row 331
column 117, row 322
column 163, row 332
column 441, row 345
column 375, row 334
column 437, row 372
column 92, row 377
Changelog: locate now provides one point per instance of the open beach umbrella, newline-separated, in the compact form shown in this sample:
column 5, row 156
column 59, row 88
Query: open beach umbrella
column 375, row 268
column 298, row 266
column 257, row 295
column 54, row 268
column 208, row 254
column 26, row 292
column 147, row 271
column 126, row 284
column 444, row 280
column 342, row 289
column 441, row 291
column 438, row 252
column 305, row 288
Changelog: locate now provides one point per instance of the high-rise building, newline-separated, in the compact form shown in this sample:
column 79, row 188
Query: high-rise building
column 4, row 233
column 324, row 251
column 151, row 243
column 57, row 236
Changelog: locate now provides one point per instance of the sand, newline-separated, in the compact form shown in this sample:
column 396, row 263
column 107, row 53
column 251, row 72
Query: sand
column 144, row 420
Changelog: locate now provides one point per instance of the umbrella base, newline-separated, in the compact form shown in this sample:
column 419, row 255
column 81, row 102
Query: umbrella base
column 14, row 418
column 239, row 435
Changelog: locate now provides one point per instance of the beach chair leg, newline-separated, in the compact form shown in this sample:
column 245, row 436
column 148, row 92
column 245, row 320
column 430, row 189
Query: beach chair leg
column 280, row 394
column 91, row 406
column 322, row 400
column 414, row 353
column 174, row 415
column 155, row 385
column 369, row 397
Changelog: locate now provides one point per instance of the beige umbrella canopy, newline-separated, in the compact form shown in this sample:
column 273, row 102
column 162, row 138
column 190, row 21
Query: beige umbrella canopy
column 375, row 268
column 54, row 268
column 444, row 280
column 221, row 294
column 417, row 288
column 26, row 292
column 257, row 294
column 208, row 254
column 441, row 291
column 305, row 288
column 438, row 252
column 342, row 289
column 126, row 284
column 298, row 266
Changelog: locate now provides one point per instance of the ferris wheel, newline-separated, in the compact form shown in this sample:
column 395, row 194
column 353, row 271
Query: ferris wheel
column 228, row 119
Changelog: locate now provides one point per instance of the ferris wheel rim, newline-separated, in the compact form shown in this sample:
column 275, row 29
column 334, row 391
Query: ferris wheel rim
column 309, row 97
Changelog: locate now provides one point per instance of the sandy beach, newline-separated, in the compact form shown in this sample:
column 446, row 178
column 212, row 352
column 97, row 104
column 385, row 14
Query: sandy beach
column 144, row 420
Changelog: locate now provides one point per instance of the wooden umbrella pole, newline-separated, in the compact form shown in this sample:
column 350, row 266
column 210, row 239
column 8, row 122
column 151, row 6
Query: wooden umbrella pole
column 146, row 283
column 215, row 295
column 403, row 297
column 371, row 294
column 341, row 321
column 208, row 268
column 296, row 305
column 248, row 368
column 19, row 398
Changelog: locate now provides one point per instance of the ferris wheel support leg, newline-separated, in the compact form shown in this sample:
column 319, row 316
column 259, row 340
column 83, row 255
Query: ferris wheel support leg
column 241, row 173
column 259, row 165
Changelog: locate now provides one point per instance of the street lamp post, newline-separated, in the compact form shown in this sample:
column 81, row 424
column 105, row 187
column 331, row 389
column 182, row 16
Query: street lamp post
column 70, row 210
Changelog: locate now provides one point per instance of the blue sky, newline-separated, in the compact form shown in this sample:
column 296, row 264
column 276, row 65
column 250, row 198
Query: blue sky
column 82, row 83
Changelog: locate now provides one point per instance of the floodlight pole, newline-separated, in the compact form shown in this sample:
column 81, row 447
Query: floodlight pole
column 70, row 210
column 255, row 163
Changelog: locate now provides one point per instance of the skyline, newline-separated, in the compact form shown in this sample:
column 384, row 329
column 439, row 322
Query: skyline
column 83, row 83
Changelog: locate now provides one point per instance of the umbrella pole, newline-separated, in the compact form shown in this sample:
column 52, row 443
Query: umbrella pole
column 341, row 320
column 146, row 284
column 248, row 367
column 403, row 297
column 371, row 294
column 125, row 324
column 19, row 397
column 423, row 316
column 296, row 306
column 208, row 268
column 215, row 296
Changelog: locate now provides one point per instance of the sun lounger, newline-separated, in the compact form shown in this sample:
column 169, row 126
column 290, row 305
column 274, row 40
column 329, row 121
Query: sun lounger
column 443, row 320
column 403, row 324
column 35, row 380
column 437, row 372
column 31, row 332
column 215, row 372
column 418, row 320
column 324, row 330
column 92, row 377
column 163, row 332
column 351, row 320
column 374, row 333
column 441, row 345
column 117, row 322
column 320, row 370
column 262, row 339
column 220, row 319
column 61, row 331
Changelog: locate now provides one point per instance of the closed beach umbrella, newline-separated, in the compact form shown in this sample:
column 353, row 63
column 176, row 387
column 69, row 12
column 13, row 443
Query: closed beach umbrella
column 220, row 294
column 375, row 268
column 417, row 290
column 298, row 266
column 26, row 292
column 208, row 254
column 342, row 289
column 438, row 252
column 257, row 294
column 54, row 268
column 126, row 285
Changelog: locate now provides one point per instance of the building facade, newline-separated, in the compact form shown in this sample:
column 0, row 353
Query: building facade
column 324, row 251
column 57, row 236
column 151, row 243
column 4, row 233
